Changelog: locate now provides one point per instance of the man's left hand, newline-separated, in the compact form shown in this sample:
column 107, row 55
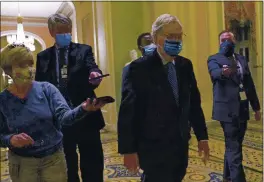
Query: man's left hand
column 257, row 115
column 94, row 75
column 203, row 147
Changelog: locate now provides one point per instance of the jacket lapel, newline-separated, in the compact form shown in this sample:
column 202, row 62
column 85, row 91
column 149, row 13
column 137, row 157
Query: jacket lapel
column 52, row 65
column 242, row 62
column 72, row 55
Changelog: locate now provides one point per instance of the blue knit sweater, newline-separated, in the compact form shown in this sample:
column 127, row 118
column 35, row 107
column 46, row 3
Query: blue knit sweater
column 39, row 115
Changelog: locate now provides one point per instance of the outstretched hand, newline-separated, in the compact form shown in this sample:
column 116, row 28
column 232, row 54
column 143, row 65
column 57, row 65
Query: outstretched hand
column 94, row 105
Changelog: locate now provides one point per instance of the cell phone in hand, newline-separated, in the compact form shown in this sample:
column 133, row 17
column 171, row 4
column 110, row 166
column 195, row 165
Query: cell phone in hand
column 105, row 99
column 96, row 78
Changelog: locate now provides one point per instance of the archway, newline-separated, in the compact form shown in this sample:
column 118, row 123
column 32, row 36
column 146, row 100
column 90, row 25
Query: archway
column 68, row 9
column 74, row 21
column 36, row 37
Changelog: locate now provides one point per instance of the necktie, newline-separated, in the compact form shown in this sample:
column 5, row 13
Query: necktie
column 61, row 57
column 63, row 79
column 172, row 77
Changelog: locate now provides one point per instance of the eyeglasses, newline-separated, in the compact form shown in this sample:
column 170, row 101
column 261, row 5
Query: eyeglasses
column 177, row 36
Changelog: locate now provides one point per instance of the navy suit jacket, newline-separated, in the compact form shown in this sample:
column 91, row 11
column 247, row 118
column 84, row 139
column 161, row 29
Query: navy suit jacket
column 227, row 103
column 80, row 64
column 149, row 122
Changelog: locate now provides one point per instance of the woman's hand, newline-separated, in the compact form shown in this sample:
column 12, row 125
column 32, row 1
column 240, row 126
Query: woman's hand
column 21, row 140
column 94, row 105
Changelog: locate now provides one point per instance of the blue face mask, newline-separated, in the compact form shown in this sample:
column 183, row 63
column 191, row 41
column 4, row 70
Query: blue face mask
column 227, row 48
column 149, row 49
column 63, row 40
column 172, row 47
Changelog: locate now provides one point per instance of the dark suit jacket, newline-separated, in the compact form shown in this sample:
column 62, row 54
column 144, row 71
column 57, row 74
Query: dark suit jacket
column 150, row 123
column 80, row 64
column 124, row 76
column 227, row 104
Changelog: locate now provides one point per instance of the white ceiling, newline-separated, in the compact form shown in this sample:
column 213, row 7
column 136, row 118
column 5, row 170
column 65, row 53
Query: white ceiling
column 29, row 9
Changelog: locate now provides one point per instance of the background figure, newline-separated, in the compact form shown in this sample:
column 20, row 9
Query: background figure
column 143, row 40
column 31, row 115
column 133, row 55
column 69, row 66
column 233, row 89
column 160, row 95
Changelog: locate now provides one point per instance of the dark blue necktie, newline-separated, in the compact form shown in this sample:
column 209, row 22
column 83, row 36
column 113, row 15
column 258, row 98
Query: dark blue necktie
column 172, row 77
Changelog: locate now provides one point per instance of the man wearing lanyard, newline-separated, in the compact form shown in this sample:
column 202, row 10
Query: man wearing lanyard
column 69, row 66
column 233, row 89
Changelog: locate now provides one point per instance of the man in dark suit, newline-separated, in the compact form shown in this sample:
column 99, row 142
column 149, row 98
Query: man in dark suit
column 233, row 89
column 160, row 97
column 143, row 40
column 69, row 66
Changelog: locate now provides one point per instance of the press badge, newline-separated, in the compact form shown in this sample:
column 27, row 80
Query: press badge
column 64, row 72
column 242, row 92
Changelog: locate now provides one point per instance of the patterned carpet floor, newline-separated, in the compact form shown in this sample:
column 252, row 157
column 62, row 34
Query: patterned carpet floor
column 197, row 171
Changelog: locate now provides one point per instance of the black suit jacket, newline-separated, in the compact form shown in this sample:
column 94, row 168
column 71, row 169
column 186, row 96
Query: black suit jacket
column 80, row 64
column 150, row 123
column 124, row 76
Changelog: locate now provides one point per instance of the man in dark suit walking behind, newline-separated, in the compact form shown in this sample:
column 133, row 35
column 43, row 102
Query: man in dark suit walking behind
column 69, row 66
column 233, row 89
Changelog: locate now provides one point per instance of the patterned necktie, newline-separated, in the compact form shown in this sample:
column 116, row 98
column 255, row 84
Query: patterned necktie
column 172, row 77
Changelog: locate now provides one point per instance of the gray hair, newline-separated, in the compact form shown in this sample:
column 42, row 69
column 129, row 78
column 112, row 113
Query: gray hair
column 161, row 21
column 56, row 19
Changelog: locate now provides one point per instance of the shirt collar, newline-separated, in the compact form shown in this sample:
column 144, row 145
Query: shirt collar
column 164, row 62
column 57, row 47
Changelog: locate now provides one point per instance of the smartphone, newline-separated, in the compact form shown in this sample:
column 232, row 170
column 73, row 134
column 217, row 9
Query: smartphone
column 102, row 76
column 105, row 99
column 226, row 66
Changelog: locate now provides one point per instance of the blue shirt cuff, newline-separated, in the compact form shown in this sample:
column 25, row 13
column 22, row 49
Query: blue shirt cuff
column 6, row 140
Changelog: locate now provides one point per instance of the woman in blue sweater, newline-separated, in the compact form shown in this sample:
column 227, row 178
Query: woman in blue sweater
column 31, row 115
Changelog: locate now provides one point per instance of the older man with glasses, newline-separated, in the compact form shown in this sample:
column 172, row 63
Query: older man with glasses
column 160, row 97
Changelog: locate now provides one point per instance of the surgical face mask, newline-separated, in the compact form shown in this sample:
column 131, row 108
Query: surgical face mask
column 149, row 49
column 227, row 48
column 23, row 75
column 63, row 40
column 172, row 47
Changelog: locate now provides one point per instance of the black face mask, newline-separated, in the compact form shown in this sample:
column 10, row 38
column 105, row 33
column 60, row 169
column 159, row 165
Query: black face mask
column 227, row 48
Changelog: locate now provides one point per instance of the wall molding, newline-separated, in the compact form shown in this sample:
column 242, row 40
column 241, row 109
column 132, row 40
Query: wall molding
column 66, row 9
